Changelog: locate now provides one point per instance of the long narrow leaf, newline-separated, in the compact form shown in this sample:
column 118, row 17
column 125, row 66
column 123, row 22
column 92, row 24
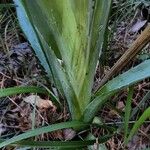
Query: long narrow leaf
column 127, row 112
column 122, row 81
column 59, row 144
column 96, row 38
column 138, row 123
column 42, row 130
column 28, row 89
column 22, row 89
column 45, row 53
column 31, row 34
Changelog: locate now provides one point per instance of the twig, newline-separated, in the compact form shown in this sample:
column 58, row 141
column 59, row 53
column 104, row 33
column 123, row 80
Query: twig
column 137, row 45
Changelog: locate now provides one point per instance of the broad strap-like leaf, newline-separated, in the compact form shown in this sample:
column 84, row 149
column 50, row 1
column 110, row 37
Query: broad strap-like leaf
column 46, row 55
column 122, row 81
column 95, row 42
column 70, row 30
column 29, row 31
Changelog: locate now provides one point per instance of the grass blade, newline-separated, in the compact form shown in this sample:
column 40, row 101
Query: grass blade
column 138, row 123
column 127, row 112
column 42, row 130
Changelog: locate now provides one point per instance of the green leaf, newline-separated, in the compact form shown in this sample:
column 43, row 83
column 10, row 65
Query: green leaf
column 127, row 112
column 99, row 18
column 61, row 81
column 59, row 144
column 72, row 31
column 29, row 31
column 42, row 130
column 22, row 89
column 138, row 123
column 120, row 82
column 44, row 51
column 28, row 89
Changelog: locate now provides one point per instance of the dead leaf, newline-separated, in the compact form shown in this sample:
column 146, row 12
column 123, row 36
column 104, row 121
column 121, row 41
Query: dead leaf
column 69, row 134
column 39, row 102
column 139, row 24
column 120, row 105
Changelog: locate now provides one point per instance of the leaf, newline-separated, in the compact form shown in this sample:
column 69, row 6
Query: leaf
column 127, row 112
column 39, row 102
column 20, row 90
column 120, row 82
column 138, row 123
column 52, row 67
column 28, row 89
column 96, row 39
column 31, row 34
column 136, row 27
column 59, row 144
column 73, row 32
column 42, row 130
column 69, row 134
column 62, row 82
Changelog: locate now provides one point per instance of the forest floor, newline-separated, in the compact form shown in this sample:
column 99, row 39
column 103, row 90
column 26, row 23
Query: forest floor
column 19, row 66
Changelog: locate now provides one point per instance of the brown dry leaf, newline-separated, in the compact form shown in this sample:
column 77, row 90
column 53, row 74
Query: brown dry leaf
column 39, row 102
column 113, row 113
column 120, row 105
column 69, row 134
column 136, row 27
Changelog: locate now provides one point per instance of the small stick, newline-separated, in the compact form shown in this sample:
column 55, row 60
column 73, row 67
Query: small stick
column 138, row 44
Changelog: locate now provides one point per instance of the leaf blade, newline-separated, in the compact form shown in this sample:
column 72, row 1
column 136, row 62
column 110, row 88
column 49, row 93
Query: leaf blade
column 59, row 144
column 138, row 123
column 127, row 112
column 28, row 89
column 42, row 130
column 122, row 81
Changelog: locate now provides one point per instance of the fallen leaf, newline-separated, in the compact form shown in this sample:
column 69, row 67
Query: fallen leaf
column 69, row 134
column 139, row 24
column 120, row 105
column 39, row 102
